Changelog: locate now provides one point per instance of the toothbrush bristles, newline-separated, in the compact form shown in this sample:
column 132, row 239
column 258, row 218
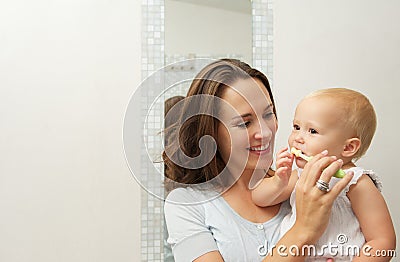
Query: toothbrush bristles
column 298, row 153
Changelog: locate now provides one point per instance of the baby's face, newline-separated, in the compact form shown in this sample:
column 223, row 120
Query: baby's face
column 318, row 124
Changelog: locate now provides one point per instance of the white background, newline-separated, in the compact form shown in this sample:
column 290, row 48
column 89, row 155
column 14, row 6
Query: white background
column 67, row 70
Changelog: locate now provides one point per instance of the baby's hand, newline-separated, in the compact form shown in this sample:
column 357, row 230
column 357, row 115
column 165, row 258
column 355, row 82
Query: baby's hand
column 284, row 162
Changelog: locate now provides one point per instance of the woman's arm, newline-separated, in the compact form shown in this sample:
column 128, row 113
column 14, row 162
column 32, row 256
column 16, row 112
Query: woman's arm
column 313, row 207
column 214, row 256
column 371, row 210
column 188, row 233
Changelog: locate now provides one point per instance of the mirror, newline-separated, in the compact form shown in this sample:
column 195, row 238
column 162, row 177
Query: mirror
column 178, row 30
column 208, row 29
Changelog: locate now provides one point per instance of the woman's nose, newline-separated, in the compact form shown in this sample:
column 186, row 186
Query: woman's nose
column 263, row 131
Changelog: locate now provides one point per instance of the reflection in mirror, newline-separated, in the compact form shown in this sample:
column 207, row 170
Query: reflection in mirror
column 208, row 29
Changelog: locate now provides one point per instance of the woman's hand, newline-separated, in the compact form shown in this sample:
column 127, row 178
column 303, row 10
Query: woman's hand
column 313, row 206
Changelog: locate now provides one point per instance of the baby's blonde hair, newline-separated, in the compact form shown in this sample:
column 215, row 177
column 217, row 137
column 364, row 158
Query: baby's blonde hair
column 359, row 114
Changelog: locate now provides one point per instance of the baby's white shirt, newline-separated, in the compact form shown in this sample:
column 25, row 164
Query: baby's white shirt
column 343, row 237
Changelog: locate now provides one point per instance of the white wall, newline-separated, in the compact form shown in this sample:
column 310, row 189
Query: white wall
column 354, row 44
column 67, row 70
column 204, row 30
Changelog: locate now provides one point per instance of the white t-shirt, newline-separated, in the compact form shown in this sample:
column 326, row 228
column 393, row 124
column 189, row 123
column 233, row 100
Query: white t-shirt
column 196, row 229
column 343, row 234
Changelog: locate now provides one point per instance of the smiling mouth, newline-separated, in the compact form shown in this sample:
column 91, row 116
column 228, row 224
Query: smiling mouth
column 259, row 148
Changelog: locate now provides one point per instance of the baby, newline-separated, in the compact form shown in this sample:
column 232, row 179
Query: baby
column 343, row 122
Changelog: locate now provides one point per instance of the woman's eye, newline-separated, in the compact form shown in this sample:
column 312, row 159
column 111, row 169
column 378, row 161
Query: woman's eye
column 313, row 131
column 243, row 125
column 296, row 127
column 268, row 115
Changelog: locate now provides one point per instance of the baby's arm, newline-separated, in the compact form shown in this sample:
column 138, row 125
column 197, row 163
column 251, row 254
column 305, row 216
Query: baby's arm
column 274, row 190
column 376, row 224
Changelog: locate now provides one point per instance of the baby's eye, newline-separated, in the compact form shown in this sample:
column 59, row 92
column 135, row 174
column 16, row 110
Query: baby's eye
column 296, row 127
column 313, row 131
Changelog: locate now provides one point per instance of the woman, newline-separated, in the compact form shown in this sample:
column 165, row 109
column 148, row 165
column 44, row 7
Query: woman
column 210, row 215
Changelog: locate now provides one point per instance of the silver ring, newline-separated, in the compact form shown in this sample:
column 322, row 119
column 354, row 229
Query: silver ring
column 322, row 185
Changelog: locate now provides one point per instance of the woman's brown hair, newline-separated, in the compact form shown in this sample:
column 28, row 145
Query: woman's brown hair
column 212, row 81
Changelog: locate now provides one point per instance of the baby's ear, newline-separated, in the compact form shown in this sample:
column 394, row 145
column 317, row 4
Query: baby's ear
column 351, row 146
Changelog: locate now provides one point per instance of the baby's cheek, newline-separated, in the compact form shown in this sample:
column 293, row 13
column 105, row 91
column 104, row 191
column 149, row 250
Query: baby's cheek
column 291, row 138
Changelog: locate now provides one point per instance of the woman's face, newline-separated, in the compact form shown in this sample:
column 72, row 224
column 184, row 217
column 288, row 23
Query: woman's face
column 247, row 133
